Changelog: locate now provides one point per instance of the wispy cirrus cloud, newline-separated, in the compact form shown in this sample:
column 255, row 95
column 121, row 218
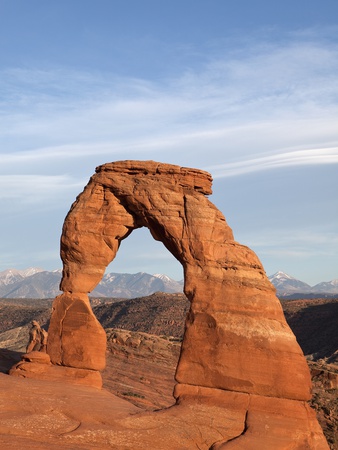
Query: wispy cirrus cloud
column 33, row 189
column 300, row 239
column 251, row 107
column 274, row 98
column 295, row 158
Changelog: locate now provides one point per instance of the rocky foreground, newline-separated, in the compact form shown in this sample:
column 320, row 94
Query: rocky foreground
column 140, row 371
column 141, row 368
column 138, row 380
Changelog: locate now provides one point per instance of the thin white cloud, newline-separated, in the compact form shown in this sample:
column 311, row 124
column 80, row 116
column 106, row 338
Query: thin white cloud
column 296, row 241
column 31, row 189
column 305, row 252
column 273, row 99
column 287, row 159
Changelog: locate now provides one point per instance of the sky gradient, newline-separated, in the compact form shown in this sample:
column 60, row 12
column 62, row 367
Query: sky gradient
column 245, row 90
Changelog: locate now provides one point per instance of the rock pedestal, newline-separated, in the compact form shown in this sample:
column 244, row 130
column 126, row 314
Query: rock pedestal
column 81, row 339
column 38, row 365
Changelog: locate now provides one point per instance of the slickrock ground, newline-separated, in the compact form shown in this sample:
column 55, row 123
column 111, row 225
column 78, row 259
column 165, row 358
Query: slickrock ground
column 140, row 369
column 52, row 415
column 144, row 374
column 39, row 414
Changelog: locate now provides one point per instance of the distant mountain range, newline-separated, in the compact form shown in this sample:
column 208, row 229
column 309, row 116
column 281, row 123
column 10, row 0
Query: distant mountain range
column 289, row 287
column 38, row 283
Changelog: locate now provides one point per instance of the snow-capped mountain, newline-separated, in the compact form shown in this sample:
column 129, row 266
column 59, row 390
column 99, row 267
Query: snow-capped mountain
column 30, row 271
column 29, row 283
column 128, row 285
column 37, row 283
column 10, row 276
column 287, row 285
column 169, row 283
column 330, row 287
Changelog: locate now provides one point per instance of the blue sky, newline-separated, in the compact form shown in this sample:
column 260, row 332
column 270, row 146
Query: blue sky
column 247, row 90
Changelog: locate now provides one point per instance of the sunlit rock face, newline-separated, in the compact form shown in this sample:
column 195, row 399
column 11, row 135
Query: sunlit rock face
column 236, row 336
column 76, row 338
column 242, row 380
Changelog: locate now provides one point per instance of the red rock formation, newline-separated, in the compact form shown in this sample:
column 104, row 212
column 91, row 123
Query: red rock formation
column 38, row 365
column 82, row 340
column 236, row 335
column 237, row 348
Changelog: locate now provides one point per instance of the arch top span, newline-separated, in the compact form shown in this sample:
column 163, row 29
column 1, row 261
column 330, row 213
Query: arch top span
column 168, row 199
column 197, row 179
column 236, row 337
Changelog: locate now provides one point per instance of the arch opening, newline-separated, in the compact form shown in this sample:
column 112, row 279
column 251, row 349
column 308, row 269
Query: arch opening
column 140, row 252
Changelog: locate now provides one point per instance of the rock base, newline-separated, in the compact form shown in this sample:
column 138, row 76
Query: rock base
column 267, row 422
column 37, row 365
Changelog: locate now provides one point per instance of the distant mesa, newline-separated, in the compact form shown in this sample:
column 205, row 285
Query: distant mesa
column 240, row 370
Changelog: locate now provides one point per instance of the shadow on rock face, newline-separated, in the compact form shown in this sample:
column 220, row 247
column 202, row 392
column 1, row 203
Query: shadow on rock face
column 8, row 358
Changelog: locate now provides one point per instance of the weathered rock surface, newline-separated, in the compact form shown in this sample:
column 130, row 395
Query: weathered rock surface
column 236, row 336
column 78, row 354
column 144, row 374
column 242, row 378
column 141, row 368
column 138, row 364
column 37, row 414
column 81, row 340
column 38, row 365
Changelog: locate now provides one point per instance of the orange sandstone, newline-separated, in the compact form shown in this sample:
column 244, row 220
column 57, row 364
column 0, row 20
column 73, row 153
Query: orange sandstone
column 239, row 357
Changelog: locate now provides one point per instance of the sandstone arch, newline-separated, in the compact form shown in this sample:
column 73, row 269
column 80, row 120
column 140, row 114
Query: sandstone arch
column 242, row 380
column 236, row 336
